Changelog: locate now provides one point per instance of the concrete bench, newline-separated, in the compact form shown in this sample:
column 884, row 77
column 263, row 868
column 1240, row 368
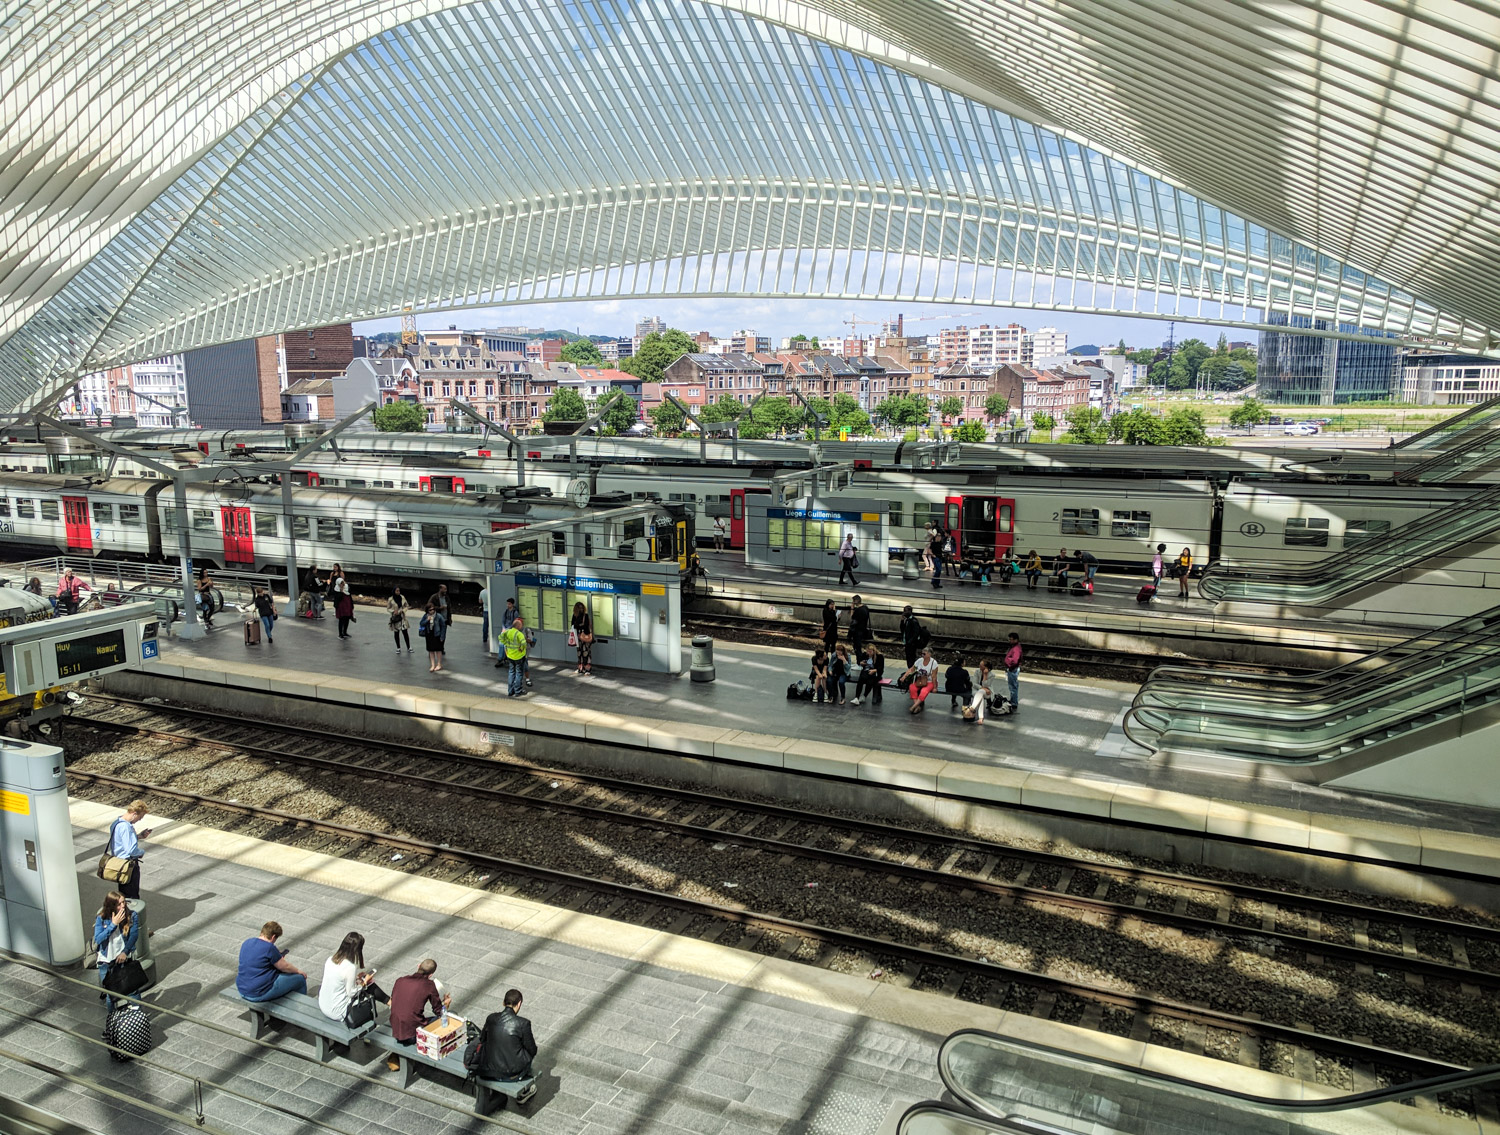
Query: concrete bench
column 410, row 1059
column 301, row 1010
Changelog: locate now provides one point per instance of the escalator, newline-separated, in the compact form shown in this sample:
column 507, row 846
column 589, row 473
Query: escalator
column 1003, row 1084
column 1466, row 443
column 1395, row 701
column 1478, row 418
column 1474, row 517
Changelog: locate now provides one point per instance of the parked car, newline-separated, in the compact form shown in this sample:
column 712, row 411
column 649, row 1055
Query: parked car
column 1300, row 429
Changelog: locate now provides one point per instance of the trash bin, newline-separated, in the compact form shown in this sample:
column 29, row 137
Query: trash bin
column 909, row 567
column 702, row 669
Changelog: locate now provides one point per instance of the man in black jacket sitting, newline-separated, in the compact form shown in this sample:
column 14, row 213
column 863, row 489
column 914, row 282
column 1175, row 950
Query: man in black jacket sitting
column 507, row 1046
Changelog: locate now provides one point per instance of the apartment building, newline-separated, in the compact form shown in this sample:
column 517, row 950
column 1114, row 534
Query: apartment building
column 698, row 379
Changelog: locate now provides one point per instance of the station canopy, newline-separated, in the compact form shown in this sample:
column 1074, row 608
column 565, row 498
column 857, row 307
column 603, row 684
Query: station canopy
column 178, row 173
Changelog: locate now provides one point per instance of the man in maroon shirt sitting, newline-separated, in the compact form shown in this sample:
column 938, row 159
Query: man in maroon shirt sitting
column 411, row 996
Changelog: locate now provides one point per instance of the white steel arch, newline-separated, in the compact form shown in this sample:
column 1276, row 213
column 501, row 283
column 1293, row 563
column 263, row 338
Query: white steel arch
column 504, row 152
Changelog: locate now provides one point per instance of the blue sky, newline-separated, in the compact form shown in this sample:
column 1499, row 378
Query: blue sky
column 782, row 317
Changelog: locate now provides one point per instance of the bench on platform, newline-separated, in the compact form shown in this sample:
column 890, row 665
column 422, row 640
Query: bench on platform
column 301, row 1010
column 410, row 1059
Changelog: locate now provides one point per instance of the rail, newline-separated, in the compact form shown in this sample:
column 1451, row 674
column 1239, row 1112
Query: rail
column 1024, row 1085
column 1471, row 518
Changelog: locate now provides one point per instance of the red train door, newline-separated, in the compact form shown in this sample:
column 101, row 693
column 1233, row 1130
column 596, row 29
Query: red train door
column 953, row 520
column 239, row 536
column 1005, row 525
column 76, row 524
column 737, row 515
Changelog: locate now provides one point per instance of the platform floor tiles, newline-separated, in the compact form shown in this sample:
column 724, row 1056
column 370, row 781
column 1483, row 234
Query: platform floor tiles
column 624, row 1046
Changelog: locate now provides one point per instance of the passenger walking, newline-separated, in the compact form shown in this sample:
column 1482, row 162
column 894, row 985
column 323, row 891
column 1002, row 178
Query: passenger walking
column 914, row 635
column 819, row 675
column 923, row 677
column 859, row 626
column 979, row 704
column 396, row 608
column 1158, row 567
column 264, row 972
column 871, row 673
column 206, row 599
column 957, row 684
column 1033, row 569
column 848, row 559
column 116, row 933
column 315, row 589
column 935, row 547
column 1088, row 563
column 343, row 602
column 718, row 533
column 513, row 641
column 1183, row 570
column 411, row 998
column 125, row 843
column 506, row 1046
column 830, row 625
column 434, row 632
column 266, row 610
column 345, row 979
column 583, row 638
column 69, row 590
column 1013, row 671
column 838, row 672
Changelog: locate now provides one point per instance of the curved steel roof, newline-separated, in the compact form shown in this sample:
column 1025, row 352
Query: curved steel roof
column 175, row 173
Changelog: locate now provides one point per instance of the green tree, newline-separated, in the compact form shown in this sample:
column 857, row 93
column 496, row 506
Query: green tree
column 400, row 417
column 566, row 405
column 1042, row 420
column 1250, row 412
column 773, row 416
column 658, row 351
column 1184, row 426
column 970, row 432
column 996, row 406
column 903, row 410
column 621, row 416
column 1137, row 427
column 1185, row 363
column 1121, row 349
column 951, row 407
column 1142, row 358
column 667, row 418
column 726, row 409
column 1086, row 426
column 582, row 353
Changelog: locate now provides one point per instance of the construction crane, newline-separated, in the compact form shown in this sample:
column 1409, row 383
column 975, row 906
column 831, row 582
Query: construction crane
column 408, row 327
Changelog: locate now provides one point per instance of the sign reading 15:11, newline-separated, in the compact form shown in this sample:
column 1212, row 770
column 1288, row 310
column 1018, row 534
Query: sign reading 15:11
column 86, row 654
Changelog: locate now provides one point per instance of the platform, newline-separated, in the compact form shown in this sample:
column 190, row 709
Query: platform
column 638, row 1031
column 1061, row 756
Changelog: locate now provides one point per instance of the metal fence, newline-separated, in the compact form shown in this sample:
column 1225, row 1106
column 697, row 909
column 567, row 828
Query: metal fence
column 162, row 582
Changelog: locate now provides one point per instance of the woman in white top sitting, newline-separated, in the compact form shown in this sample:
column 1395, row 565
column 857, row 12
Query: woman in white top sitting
column 975, row 710
column 344, row 975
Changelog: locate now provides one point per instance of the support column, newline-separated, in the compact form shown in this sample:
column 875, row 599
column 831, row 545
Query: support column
column 191, row 628
column 292, row 584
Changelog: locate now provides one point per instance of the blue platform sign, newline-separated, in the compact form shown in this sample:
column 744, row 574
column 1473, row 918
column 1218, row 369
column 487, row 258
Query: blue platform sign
column 817, row 514
column 590, row 583
column 149, row 649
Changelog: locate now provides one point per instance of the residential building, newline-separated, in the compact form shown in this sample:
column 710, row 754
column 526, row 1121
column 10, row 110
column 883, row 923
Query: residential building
column 1053, row 392
column 644, row 327
column 613, row 350
column 1045, row 343
column 1309, row 370
column 545, row 351
column 308, row 400
column 158, row 393
column 698, row 379
column 895, row 379
column 966, row 382
column 952, row 346
column 1449, row 380
column 1129, row 376
column 749, row 343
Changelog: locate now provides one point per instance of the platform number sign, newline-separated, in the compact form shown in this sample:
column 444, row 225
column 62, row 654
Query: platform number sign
column 149, row 649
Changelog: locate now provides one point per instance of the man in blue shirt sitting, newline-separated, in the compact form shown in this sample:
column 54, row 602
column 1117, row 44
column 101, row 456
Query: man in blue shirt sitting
column 265, row 974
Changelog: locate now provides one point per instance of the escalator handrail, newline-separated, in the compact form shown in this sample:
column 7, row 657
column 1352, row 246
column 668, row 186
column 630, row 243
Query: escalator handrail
column 1415, row 440
column 1452, row 455
column 1391, row 1093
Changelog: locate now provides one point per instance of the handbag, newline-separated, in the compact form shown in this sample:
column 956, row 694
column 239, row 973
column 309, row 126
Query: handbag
column 125, row 976
column 572, row 638
column 113, row 869
column 361, row 1011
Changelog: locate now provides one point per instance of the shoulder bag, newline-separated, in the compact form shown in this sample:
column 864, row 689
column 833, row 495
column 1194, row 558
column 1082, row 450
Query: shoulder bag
column 113, row 869
column 361, row 1011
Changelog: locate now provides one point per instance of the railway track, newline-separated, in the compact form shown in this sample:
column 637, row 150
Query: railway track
column 926, row 884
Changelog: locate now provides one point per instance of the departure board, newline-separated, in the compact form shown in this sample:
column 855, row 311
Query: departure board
column 77, row 657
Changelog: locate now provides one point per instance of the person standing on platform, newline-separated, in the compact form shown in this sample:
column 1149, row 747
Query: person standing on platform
column 1158, row 568
column 264, row 973
column 116, row 933
column 507, row 1047
column 434, row 632
column 444, row 605
column 266, row 610
column 484, row 618
column 513, row 642
column 343, row 601
column 583, row 637
column 125, row 843
column 718, row 533
column 1033, row 569
column 508, row 615
column 396, row 608
column 914, row 635
column 411, row 998
column 871, row 672
column 1088, row 563
column 848, row 559
column 935, row 548
column 314, row 587
column 69, row 588
column 859, row 626
column 1183, row 570
column 830, row 626
column 1013, row 671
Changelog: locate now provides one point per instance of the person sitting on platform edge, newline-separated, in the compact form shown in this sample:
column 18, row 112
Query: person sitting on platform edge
column 506, row 1047
column 1060, row 566
column 411, row 996
column 984, row 690
column 838, row 672
column 819, row 675
column 957, row 683
column 1033, row 569
column 314, row 588
column 871, row 672
column 264, row 973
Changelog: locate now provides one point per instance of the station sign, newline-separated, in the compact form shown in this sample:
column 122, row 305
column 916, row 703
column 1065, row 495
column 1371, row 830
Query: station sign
column 822, row 514
column 591, row 583
column 74, row 648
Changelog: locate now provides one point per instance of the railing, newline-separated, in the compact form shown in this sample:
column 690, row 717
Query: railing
column 162, row 582
column 1018, row 1085
column 1481, row 415
column 1472, row 518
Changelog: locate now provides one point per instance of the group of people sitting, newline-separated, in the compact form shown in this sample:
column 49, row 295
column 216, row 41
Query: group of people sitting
column 976, row 695
column 503, row 1051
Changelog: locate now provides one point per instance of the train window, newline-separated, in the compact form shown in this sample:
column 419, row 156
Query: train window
column 130, row 515
column 365, row 532
column 301, row 527
column 895, row 514
column 330, row 530
column 559, row 543
column 265, row 524
column 435, row 537
column 168, row 519
column 1358, row 533
column 479, row 488
column 1130, row 523
column 203, row 520
column 49, row 509
column 352, row 484
column 1305, row 532
column 24, row 509
column 4, row 506
column 397, row 534
column 104, row 513
column 1080, row 522
column 674, row 496
column 1006, row 518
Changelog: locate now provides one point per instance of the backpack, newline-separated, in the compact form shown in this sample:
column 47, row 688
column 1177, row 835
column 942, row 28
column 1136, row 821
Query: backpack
column 473, row 1054
column 800, row 690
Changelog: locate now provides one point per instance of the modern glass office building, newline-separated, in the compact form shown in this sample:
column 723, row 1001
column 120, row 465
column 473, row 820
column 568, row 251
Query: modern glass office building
column 1310, row 370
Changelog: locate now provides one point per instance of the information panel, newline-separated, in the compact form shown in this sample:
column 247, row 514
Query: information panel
column 77, row 657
